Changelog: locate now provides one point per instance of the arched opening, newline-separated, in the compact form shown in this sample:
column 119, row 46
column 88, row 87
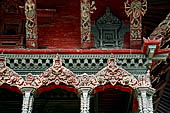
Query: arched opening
column 112, row 99
column 57, row 99
column 10, row 99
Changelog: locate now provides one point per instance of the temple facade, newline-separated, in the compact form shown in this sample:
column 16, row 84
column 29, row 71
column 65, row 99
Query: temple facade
column 84, row 56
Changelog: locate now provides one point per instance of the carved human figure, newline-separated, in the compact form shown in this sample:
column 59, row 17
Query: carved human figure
column 31, row 25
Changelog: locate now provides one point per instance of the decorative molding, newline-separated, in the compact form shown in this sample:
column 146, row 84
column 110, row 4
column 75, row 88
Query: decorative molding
column 135, row 9
column 78, row 63
column 57, row 74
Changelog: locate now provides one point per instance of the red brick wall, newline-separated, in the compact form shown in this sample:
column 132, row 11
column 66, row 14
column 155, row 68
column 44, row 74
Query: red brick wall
column 64, row 28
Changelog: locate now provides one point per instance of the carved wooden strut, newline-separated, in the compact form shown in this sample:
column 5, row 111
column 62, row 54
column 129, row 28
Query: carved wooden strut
column 31, row 23
column 135, row 9
column 86, row 9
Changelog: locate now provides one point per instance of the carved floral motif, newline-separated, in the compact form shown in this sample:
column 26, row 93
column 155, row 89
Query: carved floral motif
column 135, row 9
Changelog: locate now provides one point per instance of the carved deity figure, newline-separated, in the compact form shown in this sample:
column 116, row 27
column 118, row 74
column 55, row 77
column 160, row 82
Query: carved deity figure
column 31, row 24
column 136, row 9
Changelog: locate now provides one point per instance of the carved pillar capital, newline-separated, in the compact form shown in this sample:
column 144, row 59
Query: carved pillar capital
column 145, row 95
column 84, row 93
column 28, row 97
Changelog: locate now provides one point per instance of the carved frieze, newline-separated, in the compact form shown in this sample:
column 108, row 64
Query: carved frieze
column 58, row 74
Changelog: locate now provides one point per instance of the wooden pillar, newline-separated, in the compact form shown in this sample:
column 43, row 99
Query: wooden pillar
column 145, row 93
column 145, row 103
column 31, row 24
column 84, row 93
column 28, row 99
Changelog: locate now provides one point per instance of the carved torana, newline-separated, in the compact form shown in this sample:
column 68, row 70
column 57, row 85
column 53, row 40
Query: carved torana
column 115, row 74
column 135, row 9
column 56, row 74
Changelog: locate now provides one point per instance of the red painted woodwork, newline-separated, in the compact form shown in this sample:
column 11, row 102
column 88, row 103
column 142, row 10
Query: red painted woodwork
column 11, row 88
column 53, row 86
column 63, row 30
column 117, row 87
